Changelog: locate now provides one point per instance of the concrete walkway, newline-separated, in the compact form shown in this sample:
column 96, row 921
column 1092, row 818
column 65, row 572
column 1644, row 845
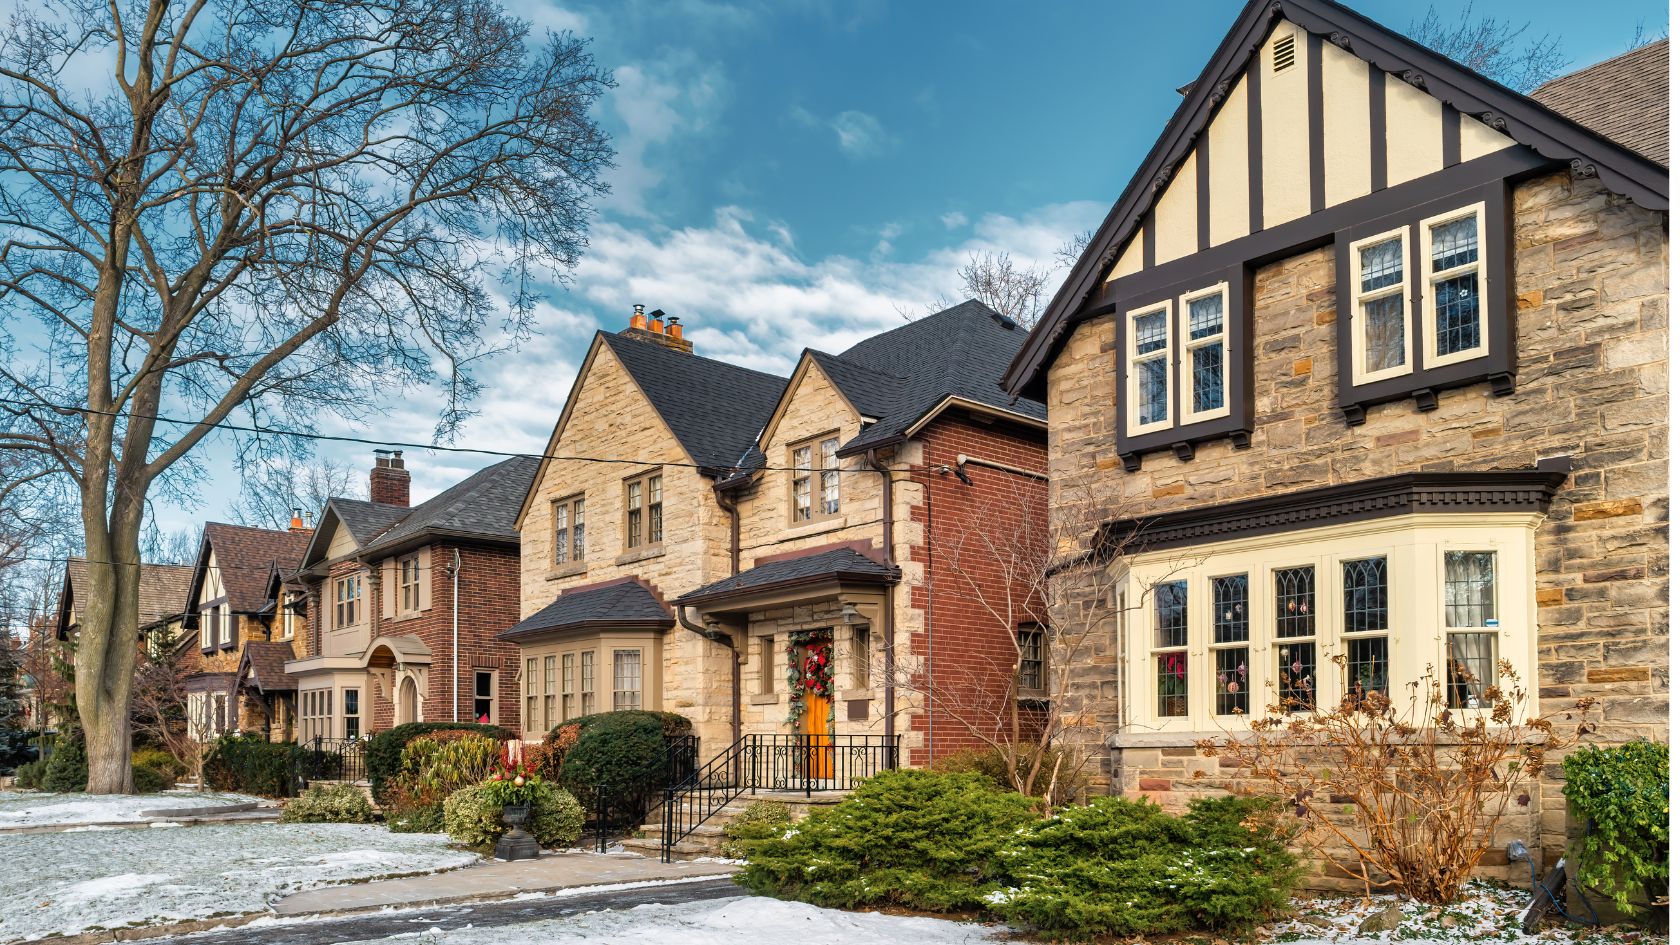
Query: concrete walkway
column 494, row 879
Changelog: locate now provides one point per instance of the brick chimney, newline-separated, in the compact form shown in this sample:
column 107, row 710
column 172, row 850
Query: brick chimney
column 659, row 329
column 388, row 482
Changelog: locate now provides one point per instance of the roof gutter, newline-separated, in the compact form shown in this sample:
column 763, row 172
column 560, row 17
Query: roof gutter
column 888, row 633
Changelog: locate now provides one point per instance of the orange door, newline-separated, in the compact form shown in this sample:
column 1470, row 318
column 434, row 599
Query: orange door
column 813, row 723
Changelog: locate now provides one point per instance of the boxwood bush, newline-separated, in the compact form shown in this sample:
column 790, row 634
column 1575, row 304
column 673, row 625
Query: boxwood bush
column 622, row 755
column 1117, row 867
column 384, row 750
column 251, row 765
column 329, row 804
column 472, row 817
column 910, row 839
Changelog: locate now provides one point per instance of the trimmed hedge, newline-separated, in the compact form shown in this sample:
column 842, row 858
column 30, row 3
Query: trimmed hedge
column 620, row 754
column 384, row 750
column 329, row 804
column 250, row 764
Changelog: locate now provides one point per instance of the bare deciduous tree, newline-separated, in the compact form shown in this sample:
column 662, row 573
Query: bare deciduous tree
column 272, row 489
column 159, row 709
column 280, row 208
column 1499, row 49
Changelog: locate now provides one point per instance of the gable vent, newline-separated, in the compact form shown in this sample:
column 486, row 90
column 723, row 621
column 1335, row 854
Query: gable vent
column 1283, row 52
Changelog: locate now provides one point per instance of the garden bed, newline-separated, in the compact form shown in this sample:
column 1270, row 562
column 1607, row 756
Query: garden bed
column 1487, row 913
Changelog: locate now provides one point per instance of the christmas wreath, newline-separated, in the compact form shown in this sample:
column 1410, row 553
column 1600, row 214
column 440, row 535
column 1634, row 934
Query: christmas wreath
column 812, row 674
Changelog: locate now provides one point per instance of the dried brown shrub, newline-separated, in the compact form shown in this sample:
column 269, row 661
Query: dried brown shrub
column 1413, row 788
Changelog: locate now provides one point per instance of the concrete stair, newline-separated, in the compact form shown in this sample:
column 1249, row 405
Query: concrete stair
column 708, row 838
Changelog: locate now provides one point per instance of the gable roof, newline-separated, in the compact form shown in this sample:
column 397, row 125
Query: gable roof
column 1624, row 99
column 625, row 602
column 246, row 558
column 163, row 592
column 836, row 564
column 481, row 506
column 1524, row 119
column 263, row 664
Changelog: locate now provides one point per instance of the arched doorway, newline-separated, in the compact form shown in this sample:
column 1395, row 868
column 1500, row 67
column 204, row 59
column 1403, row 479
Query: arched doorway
column 408, row 701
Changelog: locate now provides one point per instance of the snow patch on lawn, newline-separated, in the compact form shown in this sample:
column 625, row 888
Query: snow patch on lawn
column 81, row 881
column 1489, row 912
column 744, row 921
column 41, row 809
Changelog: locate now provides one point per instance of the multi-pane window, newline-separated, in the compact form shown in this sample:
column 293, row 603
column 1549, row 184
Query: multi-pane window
column 1171, row 649
column 1205, row 372
column 1149, row 357
column 1229, row 594
column 1030, row 641
column 586, row 682
column 644, row 510
column 352, row 713
column 549, row 721
column 224, row 625
column 347, row 601
column 1295, row 611
column 408, row 583
column 627, row 679
column 1381, row 308
column 1365, row 625
column 484, row 696
column 531, row 694
column 207, row 628
column 568, row 529
column 568, row 686
column 816, row 479
column 1472, row 619
column 1453, row 293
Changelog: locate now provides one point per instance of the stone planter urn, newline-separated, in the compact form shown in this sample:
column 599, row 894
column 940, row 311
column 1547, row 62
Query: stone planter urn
column 517, row 844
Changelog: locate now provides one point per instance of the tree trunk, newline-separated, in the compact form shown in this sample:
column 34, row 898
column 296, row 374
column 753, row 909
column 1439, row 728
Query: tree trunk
column 106, row 641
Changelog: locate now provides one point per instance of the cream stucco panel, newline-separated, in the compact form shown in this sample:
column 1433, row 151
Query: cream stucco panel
column 1347, row 125
column 1478, row 140
column 1283, row 134
column 1130, row 261
column 1228, row 167
column 1175, row 215
column 1414, row 132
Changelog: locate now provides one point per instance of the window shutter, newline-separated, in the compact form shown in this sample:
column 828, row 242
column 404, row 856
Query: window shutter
column 426, row 578
column 388, row 589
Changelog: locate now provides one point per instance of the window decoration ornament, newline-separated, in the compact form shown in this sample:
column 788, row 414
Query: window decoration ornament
column 810, row 670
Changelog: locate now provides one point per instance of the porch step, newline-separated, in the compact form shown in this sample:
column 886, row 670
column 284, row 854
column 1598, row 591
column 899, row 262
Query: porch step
column 688, row 849
column 708, row 838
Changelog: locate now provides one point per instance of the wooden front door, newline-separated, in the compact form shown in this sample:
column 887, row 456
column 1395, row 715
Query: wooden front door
column 814, row 723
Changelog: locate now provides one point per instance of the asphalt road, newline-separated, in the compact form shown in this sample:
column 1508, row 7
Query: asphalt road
column 329, row 930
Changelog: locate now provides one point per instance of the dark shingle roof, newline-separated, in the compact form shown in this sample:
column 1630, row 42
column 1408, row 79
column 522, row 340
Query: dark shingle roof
column 483, row 505
column 715, row 409
column 366, row 519
column 1624, row 99
column 264, row 664
column 834, row 564
column 247, row 556
column 622, row 602
column 959, row 352
column 163, row 589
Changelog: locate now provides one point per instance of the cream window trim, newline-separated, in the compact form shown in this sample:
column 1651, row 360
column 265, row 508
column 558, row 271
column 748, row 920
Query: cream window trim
column 1360, row 298
column 814, row 491
column 1134, row 377
column 1188, row 348
column 1431, row 357
column 1415, row 548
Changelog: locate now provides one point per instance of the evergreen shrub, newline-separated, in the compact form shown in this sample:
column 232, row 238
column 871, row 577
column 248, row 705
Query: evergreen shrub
column 384, row 750
column 1621, row 796
column 622, row 755
column 250, row 764
column 329, row 804
column 762, row 820
column 67, row 767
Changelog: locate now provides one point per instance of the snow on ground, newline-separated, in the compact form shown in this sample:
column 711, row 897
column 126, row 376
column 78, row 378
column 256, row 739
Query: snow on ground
column 82, row 880
column 744, row 921
column 1488, row 913
column 43, row 809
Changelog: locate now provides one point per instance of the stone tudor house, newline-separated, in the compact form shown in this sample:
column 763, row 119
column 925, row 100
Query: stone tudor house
column 1370, row 361
column 750, row 531
column 404, row 604
column 163, row 601
column 240, row 632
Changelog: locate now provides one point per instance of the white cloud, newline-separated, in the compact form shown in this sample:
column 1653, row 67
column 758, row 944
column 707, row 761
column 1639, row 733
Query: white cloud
column 954, row 220
column 659, row 103
column 860, row 134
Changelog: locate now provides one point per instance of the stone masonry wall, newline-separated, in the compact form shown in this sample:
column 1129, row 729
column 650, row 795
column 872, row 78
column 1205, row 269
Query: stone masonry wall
column 1592, row 336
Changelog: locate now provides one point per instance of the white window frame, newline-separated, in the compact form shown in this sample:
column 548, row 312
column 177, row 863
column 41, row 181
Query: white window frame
column 1429, row 277
column 1359, row 298
column 1416, row 548
column 1187, row 373
column 1133, row 377
column 531, row 702
column 620, row 696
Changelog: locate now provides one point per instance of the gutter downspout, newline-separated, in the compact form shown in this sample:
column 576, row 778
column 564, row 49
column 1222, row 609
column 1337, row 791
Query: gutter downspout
column 455, row 636
column 889, row 652
column 727, row 641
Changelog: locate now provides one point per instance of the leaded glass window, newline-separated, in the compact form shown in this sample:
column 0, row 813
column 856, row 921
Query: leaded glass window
column 1229, row 595
column 1172, row 636
column 1472, row 617
column 1365, row 625
column 1380, row 304
column 1297, row 610
column 1295, row 601
column 1455, row 284
column 1149, row 362
column 1205, row 351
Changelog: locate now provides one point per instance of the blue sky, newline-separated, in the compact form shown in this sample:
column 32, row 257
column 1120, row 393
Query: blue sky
column 794, row 174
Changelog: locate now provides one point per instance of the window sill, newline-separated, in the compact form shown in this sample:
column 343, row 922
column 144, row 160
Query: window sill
column 854, row 695
column 764, row 698
column 573, row 569
column 817, row 527
column 640, row 554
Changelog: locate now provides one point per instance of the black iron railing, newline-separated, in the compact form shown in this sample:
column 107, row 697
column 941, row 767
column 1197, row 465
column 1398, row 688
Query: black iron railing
column 802, row 763
column 619, row 812
column 330, row 759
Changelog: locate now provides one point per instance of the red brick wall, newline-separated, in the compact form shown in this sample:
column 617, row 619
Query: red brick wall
column 968, row 649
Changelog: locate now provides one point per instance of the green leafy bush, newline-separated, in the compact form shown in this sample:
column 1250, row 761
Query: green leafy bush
column 912, row 839
column 329, row 804
column 622, row 755
column 384, row 750
column 30, row 776
column 160, row 765
column 1117, row 867
column 149, row 780
column 251, row 765
column 1622, row 794
column 435, row 765
column 473, row 817
column 762, row 820
column 67, row 768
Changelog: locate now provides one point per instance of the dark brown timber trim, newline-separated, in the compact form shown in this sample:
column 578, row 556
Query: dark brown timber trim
column 1452, row 149
column 1256, row 151
column 1315, row 121
column 1204, row 211
column 1379, row 128
column 1147, row 235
